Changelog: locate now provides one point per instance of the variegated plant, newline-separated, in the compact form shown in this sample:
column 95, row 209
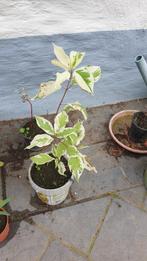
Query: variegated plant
column 67, row 139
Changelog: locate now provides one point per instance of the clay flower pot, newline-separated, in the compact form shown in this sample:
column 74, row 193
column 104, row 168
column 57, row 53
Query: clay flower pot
column 5, row 230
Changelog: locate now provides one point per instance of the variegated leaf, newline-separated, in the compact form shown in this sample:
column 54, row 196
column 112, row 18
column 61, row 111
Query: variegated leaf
column 45, row 125
column 84, row 79
column 40, row 140
column 76, row 106
column 65, row 133
column 59, row 150
column 58, row 64
column 88, row 165
column 61, row 168
column 96, row 72
column 76, row 58
column 46, row 89
column 61, row 56
column 76, row 166
column 60, row 121
column 42, row 158
column 71, row 150
column 80, row 130
column 62, row 77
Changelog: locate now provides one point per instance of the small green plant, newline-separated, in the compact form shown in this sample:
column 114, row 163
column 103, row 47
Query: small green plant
column 65, row 141
column 2, row 204
column 25, row 131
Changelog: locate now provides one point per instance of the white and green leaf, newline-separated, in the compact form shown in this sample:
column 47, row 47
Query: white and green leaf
column 76, row 106
column 62, row 77
column 80, row 131
column 59, row 150
column 45, row 125
column 96, row 72
column 76, row 58
column 76, row 166
column 60, row 121
column 87, row 164
column 63, row 59
column 42, row 158
column 61, row 168
column 84, row 79
column 40, row 140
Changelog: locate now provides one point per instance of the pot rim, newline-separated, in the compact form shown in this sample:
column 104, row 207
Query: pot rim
column 44, row 189
column 111, row 122
column 7, row 221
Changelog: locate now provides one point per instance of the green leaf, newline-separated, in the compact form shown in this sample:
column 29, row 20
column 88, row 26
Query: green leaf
column 61, row 168
column 76, row 166
column 45, row 125
column 76, row 58
column 76, row 106
column 40, row 140
column 65, row 133
column 62, row 57
column 60, row 121
column 59, row 150
column 71, row 150
column 80, row 131
column 84, row 79
column 1, row 164
column 4, row 213
column 3, row 202
column 96, row 72
column 42, row 158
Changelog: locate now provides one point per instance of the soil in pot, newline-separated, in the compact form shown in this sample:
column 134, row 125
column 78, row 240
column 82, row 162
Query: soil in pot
column 31, row 129
column 3, row 222
column 138, row 129
column 47, row 176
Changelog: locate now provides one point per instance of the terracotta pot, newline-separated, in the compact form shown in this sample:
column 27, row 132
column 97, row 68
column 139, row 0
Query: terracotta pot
column 5, row 232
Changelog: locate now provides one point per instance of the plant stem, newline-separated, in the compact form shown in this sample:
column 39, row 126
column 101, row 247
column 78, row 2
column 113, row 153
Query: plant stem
column 65, row 92
column 31, row 109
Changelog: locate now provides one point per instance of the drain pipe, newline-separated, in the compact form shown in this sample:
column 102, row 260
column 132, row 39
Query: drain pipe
column 142, row 67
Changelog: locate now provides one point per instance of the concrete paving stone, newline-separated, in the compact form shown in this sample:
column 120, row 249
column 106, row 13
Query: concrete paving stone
column 123, row 235
column 133, row 166
column 19, row 188
column 27, row 244
column 57, row 252
column 135, row 195
column 94, row 184
column 74, row 224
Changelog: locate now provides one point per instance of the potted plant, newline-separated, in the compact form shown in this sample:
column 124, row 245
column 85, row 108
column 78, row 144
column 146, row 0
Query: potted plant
column 4, row 220
column 52, row 173
column 138, row 129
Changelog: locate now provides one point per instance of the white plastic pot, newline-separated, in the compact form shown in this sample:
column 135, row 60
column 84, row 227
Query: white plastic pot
column 51, row 196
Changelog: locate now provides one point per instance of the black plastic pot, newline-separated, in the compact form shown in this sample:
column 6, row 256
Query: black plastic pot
column 137, row 132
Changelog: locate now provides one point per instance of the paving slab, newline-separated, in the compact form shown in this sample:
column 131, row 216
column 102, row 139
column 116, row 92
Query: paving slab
column 123, row 235
column 57, row 252
column 27, row 245
column 75, row 225
column 18, row 187
column 133, row 167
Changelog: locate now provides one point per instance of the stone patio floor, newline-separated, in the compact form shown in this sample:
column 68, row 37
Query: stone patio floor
column 103, row 218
